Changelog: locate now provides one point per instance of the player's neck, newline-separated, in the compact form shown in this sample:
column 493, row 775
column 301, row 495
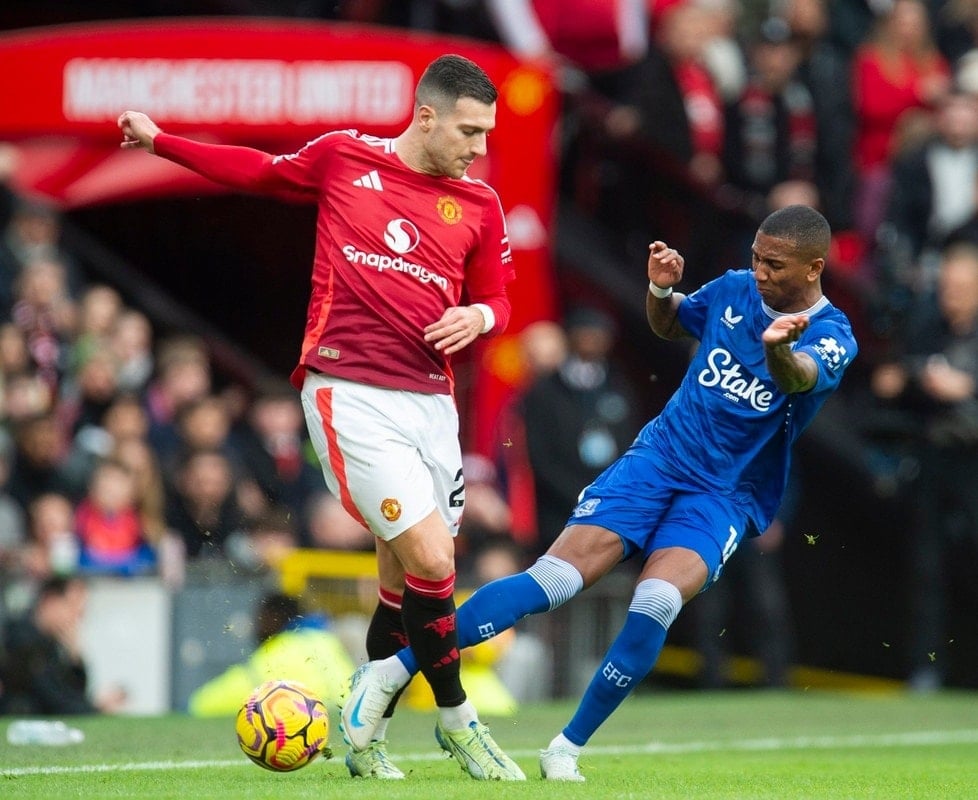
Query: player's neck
column 411, row 153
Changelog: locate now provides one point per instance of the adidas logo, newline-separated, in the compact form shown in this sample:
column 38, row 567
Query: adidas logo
column 370, row 181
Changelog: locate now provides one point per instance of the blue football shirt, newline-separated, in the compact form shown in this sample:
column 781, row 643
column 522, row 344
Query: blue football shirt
column 728, row 429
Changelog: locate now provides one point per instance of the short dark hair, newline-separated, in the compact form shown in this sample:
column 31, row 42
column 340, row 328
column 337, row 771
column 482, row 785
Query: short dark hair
column 803, row 225
column 451, row 77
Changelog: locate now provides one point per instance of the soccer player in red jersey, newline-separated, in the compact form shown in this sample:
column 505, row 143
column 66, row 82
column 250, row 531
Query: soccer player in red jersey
column 401, row 230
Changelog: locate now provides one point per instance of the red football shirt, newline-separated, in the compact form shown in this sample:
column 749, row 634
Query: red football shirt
column 394, row 248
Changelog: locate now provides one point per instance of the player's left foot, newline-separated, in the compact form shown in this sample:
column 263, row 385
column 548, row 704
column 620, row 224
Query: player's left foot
column 559, row 764
column 370, row 694
column 373, row 762
column 478, row 754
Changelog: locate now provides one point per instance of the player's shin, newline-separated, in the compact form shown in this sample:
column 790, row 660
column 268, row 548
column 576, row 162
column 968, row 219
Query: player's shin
column 499, row 605
column 654, row 607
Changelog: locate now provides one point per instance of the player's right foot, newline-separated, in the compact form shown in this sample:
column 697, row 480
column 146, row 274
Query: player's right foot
column 373, row 763
column 478, row 754
column 370, row 694
column 559, row 764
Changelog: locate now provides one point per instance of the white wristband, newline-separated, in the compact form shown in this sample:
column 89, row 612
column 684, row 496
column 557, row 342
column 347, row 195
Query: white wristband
column 658, row 291
column 489, row 318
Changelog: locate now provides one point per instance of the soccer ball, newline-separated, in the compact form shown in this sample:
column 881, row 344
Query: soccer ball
column 283, row 726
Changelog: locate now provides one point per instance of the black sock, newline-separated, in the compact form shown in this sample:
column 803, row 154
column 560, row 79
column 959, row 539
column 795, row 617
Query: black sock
column 386, row 635
column 429, row 619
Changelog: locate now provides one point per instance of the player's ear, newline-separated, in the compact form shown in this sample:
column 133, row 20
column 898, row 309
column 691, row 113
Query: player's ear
column 815, row 268
column 426, row 118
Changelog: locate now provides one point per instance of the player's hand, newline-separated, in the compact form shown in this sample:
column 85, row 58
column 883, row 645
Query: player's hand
column 665, row 265
column 138, row 130
column 785, row 330
column 458, row 327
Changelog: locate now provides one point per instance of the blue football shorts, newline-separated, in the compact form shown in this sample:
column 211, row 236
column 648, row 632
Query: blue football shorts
column 650, row 507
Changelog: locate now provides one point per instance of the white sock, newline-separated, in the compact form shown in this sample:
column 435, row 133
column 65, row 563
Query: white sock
column 393, row 672
column 564, row 743
column 458, row 717
column 380, row 734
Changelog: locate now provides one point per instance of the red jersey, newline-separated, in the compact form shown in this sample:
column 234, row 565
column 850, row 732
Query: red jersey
column 394, row 249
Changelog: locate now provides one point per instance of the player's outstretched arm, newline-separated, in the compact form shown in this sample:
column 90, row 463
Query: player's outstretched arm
column 138, row 130
column 665, row 270
column 791, row 371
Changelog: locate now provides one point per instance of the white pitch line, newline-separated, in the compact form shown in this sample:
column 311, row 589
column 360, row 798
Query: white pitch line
column 906, row 739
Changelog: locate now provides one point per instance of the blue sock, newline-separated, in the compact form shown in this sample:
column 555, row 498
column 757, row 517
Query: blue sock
column 631, row 656
column 499, row 605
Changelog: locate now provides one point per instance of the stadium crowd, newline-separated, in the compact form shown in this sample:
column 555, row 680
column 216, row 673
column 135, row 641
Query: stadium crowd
column 124, row 451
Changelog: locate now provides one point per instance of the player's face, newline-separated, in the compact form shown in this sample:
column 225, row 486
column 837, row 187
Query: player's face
column 784, row 278
column 458, row 137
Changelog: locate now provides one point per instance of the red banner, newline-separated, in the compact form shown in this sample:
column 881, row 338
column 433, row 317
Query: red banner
column 273, row 84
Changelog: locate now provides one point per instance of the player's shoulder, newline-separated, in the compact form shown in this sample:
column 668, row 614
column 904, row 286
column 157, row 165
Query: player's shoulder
column 477, row 187
column 351, row 139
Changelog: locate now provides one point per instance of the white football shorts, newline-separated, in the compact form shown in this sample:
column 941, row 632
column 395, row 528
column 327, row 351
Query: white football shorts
column 391, row 456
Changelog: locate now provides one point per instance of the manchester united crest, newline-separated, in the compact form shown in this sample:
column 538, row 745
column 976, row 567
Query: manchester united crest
column 450, row 209
column 391, row 509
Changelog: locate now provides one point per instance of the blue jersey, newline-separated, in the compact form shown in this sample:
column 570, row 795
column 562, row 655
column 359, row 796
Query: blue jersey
column 728, row 429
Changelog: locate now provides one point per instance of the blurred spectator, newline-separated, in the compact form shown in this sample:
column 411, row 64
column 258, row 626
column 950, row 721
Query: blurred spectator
column 291, row 644
column 25, row 394
column 88, row 394
column 108, row 524
column 123, row 417
column 263, row 541
column 42, row 670
column 13, row 526
column 753, row 601
column 956, row 28
column 578, row 420
column 332, row 528
column 99, row 307
column 896, row 72
column 933, row 194
column 542, row 349
column 825, row 71
column 132, row 345
column 204, row 424
column 487, row 515
column 46, row 314
column 202, row 507
column 600, row 38
column 39, row 460
column 14, row 355
column 274, row 446
column 522, row 660
column 49, row 550
column 934, row 382
column 149, row 495
column 183, row 374
column 771, row 131
column 723, row 55
column 34, row 233
column 679, row 106
column 543, row 346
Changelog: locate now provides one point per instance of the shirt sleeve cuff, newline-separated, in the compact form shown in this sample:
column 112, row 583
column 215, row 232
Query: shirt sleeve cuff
column 488, row 316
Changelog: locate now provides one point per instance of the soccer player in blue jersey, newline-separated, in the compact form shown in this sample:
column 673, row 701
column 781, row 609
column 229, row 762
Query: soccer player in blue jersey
column 709, row 470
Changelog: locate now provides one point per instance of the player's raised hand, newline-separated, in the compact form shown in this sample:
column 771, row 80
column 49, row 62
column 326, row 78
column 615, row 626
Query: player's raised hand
column 665, row 265
column 785, row 330
column 138, row 130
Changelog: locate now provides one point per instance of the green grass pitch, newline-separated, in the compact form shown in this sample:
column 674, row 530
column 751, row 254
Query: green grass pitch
column 659, row 744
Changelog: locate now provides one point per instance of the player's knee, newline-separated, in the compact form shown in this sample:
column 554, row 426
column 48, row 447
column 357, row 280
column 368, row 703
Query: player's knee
column 657, row 599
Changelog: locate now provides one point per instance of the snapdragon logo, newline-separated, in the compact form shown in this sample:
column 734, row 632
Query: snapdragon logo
column 401, row 236
column 724, row 372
